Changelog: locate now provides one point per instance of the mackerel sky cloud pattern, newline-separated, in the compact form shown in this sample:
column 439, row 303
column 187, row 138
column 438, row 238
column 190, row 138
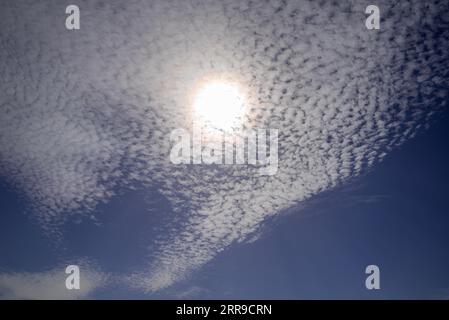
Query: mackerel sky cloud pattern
column 86, row 112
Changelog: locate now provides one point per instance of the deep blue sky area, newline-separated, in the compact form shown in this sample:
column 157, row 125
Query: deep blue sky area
column 395, row 216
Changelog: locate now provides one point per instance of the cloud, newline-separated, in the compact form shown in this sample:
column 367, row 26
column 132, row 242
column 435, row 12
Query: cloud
column 85, row 111
column 192, row 292
column 49, row 285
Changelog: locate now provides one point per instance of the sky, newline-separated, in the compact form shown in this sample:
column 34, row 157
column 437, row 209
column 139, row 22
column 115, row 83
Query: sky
column 86, row 177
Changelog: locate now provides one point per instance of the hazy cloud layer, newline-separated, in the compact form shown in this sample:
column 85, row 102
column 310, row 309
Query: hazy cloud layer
column 84, row 111
column 50, row 284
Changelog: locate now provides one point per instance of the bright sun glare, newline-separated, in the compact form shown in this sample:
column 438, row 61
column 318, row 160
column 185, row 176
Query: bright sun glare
column 220, row 105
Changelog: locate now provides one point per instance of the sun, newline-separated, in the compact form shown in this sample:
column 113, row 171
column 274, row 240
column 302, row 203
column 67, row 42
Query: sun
column 219, row 105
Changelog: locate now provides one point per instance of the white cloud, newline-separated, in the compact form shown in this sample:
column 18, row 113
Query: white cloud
column 49, row 285
column 85, row 111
